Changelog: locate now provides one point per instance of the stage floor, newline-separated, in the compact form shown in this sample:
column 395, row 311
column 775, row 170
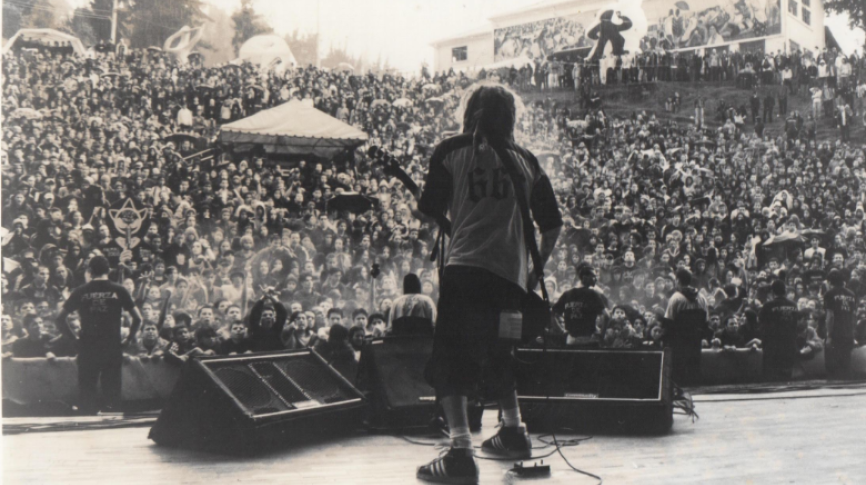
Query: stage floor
column 813, row 436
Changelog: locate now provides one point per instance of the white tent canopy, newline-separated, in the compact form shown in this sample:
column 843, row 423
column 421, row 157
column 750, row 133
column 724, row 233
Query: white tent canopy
column 267, row 51
column 45, row 35
column 294, row 128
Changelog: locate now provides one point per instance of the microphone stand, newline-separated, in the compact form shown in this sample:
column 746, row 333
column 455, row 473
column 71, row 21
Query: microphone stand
column 374, row 273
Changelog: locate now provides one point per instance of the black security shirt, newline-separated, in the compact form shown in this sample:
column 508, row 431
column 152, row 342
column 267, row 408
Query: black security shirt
column 99, row 304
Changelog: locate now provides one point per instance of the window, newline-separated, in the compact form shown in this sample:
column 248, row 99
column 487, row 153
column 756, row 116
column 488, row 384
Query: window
column 807, row 16
column 792, row 7
column 459, row 54
column 806, row 3
column 757, row 46
column 794, row 46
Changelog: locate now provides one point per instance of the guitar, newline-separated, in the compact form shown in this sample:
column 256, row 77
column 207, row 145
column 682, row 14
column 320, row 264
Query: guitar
column 391, row 166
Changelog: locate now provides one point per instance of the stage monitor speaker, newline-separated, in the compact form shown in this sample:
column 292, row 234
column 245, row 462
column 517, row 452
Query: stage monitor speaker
column 616, row 391
column 392, row 372
column 250, row 403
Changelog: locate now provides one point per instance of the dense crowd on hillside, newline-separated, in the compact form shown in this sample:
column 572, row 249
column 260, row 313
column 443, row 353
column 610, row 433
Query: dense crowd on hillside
column 235, row 238
column 800, row 68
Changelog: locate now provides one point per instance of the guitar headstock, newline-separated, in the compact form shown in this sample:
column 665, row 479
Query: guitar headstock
column 391, row 166
column 389, row 163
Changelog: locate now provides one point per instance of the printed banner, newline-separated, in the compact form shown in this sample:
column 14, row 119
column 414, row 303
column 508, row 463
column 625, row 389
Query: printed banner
column 631, row 26
column 536, row 40
column 698, row 23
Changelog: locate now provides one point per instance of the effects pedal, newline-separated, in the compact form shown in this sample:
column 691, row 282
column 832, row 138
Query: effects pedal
column 539, row 470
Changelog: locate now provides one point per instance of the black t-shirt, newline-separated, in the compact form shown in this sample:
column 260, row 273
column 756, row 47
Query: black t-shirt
column 229, row 346
column 28, row 348
column 580, row 307
column 778, row 319
column 842, row 302
column 99, row 303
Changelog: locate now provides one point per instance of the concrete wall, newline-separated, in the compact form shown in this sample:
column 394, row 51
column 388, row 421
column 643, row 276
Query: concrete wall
column 807, row 36
column 479, row 53
column 584, row 11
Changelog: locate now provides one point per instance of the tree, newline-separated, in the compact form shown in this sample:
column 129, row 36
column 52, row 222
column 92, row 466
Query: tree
column 340, row 55
column 34, row 14
column 44, row 15
column 100, row 18
column 856, row 10
column 80, row 25
column 248, row 24
column 216, row 46
column 149, row 22
column 304, row 47
column 13, row 17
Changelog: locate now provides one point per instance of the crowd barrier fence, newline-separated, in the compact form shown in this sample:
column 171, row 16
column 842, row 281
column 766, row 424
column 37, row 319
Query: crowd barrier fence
column 39, row 380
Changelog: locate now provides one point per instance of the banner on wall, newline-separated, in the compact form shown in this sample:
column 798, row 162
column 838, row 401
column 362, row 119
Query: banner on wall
column 631, row 26
column 617, row 29
column 696, row 23
column 537, row 40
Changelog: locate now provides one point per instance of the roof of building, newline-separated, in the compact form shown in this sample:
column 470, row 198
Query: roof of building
column 535, row 6
column 476, row 32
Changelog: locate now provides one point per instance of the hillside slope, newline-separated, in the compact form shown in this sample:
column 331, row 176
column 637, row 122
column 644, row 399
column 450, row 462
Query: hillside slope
column 623, row 100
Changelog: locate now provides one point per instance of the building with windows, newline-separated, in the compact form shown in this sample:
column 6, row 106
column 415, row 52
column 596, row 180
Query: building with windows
column 554, row 26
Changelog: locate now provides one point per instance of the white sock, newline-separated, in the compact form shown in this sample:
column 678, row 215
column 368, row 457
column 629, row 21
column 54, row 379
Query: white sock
column 460, row 437
column 511, row 417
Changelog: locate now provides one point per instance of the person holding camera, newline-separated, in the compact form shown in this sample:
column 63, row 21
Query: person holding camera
column 474, row 180
column 266, row 321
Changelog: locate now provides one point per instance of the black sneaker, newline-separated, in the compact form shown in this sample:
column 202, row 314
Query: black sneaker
column 510, row 443
column 457, row 466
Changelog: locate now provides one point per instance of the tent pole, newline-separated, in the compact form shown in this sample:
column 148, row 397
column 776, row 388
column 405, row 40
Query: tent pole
column 114, row 22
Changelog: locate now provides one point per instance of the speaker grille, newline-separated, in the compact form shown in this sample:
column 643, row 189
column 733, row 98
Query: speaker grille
column 315, row 379
column 591, row 374
column 279, row 383
column 249, row 389
column 401, row 367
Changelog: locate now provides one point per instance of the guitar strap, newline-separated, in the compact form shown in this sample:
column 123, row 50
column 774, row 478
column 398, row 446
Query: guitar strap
column 510, row 165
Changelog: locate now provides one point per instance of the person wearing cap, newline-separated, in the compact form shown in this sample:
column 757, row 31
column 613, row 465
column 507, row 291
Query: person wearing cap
column 840, row 305
column 777, row 322
column 99, row 304
column 580, row 308
column 685, row 326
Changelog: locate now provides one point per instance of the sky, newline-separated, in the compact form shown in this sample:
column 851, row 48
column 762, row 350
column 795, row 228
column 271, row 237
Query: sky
column 399, row 30
column 402, row 30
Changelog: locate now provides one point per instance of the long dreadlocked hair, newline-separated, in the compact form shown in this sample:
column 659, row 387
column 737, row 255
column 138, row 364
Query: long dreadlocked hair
column 490, row 115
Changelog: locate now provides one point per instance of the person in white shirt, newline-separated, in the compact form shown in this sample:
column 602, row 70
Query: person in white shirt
column 815, row 249
column 413, row 311
column 184, row 117
column 817, row 99
column 861, row 97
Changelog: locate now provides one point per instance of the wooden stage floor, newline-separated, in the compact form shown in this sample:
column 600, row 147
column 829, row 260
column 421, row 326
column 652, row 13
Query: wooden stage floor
column 812, row 437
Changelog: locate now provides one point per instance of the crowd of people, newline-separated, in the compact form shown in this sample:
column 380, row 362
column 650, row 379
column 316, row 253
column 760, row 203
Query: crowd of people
column 241, row 253
column 748, row 69
column 222, row 231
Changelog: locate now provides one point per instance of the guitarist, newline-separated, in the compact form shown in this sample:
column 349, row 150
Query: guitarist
column 472, row 181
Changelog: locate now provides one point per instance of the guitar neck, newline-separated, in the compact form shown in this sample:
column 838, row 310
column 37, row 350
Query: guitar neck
column 407, row 181
column 393, row 168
